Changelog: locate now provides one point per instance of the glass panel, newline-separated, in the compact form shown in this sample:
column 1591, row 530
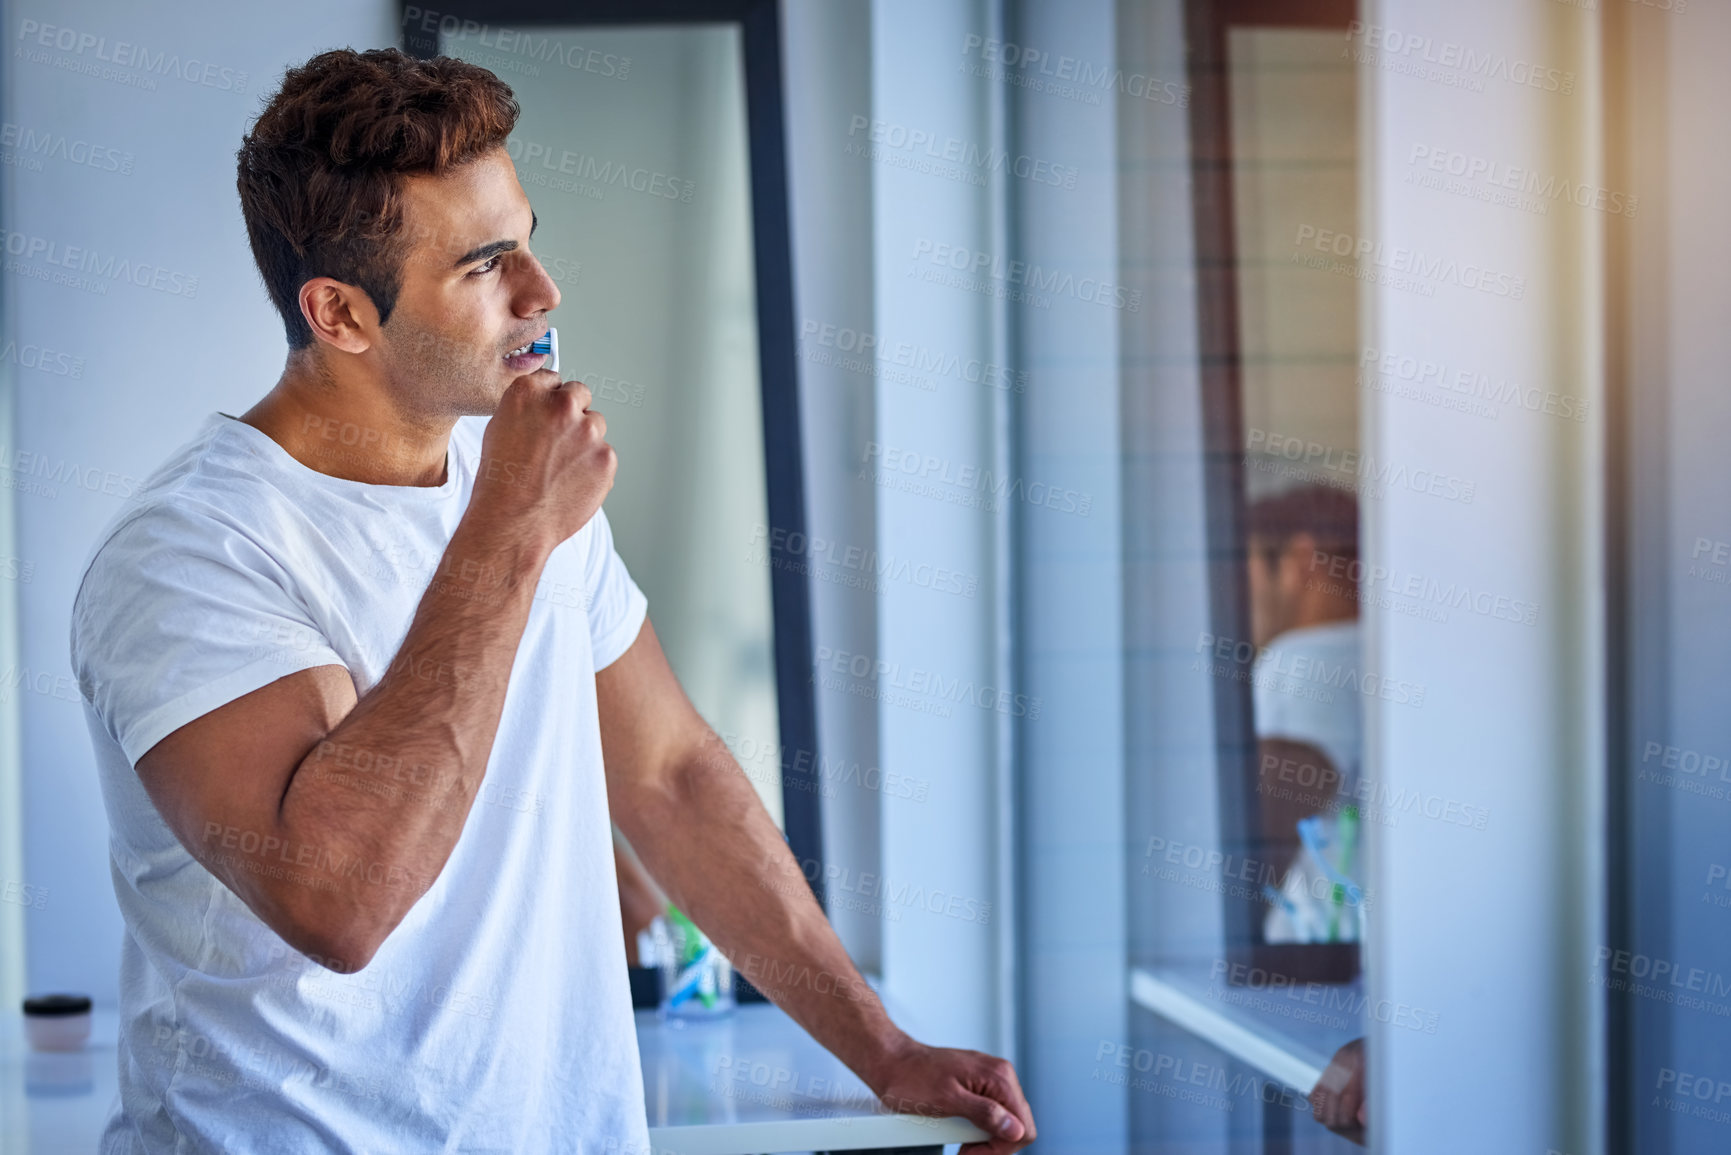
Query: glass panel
column 632, row 148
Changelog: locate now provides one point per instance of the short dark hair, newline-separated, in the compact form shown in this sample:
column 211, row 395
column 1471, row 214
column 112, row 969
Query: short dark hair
column 1325, row 512
column 320, row 174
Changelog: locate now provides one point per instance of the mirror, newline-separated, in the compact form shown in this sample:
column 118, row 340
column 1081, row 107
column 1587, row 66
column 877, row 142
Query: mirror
column 1274, row 157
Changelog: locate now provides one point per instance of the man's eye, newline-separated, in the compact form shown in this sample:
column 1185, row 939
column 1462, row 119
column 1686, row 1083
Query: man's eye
column 485, row 267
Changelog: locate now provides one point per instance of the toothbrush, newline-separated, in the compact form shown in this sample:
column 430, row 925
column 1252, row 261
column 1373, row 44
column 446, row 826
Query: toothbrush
column 548, row 344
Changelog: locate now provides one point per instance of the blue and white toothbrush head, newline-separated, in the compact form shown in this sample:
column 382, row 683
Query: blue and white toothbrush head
column 548, row 344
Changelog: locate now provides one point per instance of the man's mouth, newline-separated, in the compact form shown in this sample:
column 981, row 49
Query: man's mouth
column 541, row 353
column 524, row 358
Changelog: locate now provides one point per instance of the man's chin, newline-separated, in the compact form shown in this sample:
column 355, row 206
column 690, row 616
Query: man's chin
column 482, row 404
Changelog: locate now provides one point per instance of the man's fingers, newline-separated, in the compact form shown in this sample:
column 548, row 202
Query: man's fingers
column 1327, row 1108
column 1016, row 1101
column 991, row 1117
column 539, row 379
column 999, row 1083
column 1341, row 1112
column 578, row 390
column 1337, row 1094
column 1351, row 1110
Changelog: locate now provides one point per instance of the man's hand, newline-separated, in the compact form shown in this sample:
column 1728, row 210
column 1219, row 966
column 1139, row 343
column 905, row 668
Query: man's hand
column 1338, row 1100
column 940, row 1082
column 545, row 462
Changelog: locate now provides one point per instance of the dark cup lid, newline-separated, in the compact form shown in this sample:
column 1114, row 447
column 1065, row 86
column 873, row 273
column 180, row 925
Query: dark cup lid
column 53, row 1006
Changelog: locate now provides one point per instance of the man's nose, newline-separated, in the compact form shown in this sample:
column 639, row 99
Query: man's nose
column 541, row 293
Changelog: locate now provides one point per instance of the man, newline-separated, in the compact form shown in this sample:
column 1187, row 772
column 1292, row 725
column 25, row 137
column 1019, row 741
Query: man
column 366, row 681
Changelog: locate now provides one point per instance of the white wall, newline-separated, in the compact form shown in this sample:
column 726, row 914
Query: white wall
column 153, row 364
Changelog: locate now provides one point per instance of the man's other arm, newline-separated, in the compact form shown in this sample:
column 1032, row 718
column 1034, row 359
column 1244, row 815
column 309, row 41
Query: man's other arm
column 1294, row 780
column 696, row 822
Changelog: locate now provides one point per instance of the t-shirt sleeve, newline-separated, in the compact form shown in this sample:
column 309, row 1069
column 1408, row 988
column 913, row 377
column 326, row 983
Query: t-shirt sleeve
column 616, row 606
column 179, row 614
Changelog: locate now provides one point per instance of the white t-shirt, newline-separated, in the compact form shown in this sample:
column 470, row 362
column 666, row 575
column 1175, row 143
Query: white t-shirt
column 1304, row 689
column 497, row 1016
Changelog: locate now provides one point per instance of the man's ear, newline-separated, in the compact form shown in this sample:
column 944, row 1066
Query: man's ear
column 339, row 314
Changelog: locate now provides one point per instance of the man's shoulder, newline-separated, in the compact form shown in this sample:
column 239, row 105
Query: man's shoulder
column 208, row 491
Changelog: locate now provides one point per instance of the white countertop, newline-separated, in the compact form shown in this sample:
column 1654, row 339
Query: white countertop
column 751, row 1082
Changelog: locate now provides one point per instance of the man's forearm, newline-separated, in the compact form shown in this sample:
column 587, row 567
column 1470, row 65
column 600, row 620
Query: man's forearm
column 391, row 786
column 711, row 845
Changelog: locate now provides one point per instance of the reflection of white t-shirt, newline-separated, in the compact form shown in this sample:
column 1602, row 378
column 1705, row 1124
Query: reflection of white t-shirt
column 497, row 1016
column 1305, row 689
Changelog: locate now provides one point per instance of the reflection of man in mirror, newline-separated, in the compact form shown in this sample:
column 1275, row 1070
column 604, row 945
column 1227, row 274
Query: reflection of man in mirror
column 1303, row 546
column 1302, row 555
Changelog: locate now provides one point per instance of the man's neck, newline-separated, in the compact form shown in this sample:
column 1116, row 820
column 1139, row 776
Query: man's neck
column 344, row 432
